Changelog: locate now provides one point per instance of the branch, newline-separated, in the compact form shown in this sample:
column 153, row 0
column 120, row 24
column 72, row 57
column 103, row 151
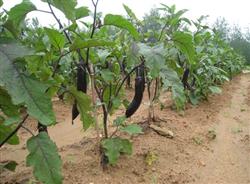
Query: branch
column 43, row 11
column 110, row 93
column 59, row 22
column 125, row 78
column 57, row 62
column 161, row 34
column 156, row 89
column 14, row 131
column 28, row 130
column 116, row 130
column 93, row 28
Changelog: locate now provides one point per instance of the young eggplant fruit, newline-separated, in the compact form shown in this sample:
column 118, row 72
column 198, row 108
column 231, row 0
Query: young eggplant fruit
column 185, row 78
column 81, row 79
column 139, row 89
column 81, row 84
column 74, row 112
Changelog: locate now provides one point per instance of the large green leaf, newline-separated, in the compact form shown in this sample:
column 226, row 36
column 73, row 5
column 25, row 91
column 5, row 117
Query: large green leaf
column 119, row 21
column 66, row 6
column 24, row 89
column 107, row 75
column 1, row 3
column 155, row 58
column 81, row 44
column 83, row 106
column 44, row 158
column 184, row 41
column 114, row 147
column 171, row 80
column 81, row 12
column 55, row 37
column 16, row 15
column 130, row 13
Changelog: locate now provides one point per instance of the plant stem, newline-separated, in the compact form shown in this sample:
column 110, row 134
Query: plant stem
column 94, row 88
column 14, row 131
column 125, row 78
column 162, row 30
column 59, row 22
column 28, row 130
column 42, row 128
column 105, row 119
column 43, row 11
column 150, row 102
column 93, row 28
column 156, row 91
column 57, row 63
column 92, row 81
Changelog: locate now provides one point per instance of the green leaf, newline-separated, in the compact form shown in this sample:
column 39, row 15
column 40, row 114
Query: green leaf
column 130, row 13
column 132, row 129
column 119, row 120
column 22, row 88
column 184, row 41
column 119, row 21
column 103, row 54
column 55, row 37
column 194, row 99
column 171, row 79
column 44, row 158
column 107, row 93
column 107, row 75
column 18, row 13
column 81, row 44
column 116, row 103
column 9, row 165
column 81, row 12
column 155, row 58
column 215, row 89
column 114, row 147
column 178, row 96
column 84, row 107
column 12, row 120
column 1, row 3
column 6, row 104
column 67, row 7
column 5, row 131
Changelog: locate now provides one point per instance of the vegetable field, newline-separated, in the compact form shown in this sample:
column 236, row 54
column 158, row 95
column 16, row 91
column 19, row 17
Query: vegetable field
column 120, row 99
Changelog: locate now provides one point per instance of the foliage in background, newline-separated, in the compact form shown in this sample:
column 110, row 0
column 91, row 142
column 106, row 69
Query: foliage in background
column 238, row 39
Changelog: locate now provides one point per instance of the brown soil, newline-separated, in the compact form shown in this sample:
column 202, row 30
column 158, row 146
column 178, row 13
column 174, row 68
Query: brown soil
column 211, row 145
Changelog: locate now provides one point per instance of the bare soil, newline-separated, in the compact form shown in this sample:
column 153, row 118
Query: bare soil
column 211, row 145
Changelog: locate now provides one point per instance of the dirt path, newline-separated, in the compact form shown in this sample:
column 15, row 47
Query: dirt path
column 192, row 156
column 229, row 163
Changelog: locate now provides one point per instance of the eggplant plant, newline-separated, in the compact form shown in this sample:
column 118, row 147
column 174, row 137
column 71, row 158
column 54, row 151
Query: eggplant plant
column 89, row 64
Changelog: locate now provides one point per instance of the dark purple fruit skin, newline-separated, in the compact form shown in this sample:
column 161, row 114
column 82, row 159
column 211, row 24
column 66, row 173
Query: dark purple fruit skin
column 139, row 89
column 81, row 80
column 185, row 83
column 75, row 112
column 81, row 85
column 185, row 78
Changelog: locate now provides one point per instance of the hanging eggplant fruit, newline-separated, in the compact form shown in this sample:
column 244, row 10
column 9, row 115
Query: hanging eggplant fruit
column 185, row 78
column 81, row 85
column 139, row 89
